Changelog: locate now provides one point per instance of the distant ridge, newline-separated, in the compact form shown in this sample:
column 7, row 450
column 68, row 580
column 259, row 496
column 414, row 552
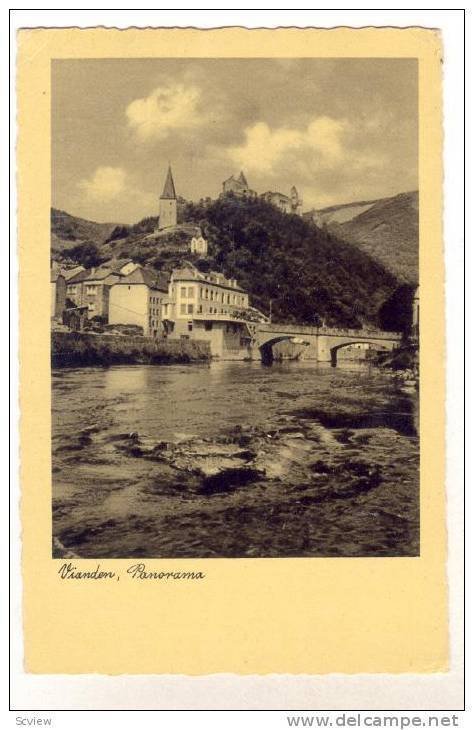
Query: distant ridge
column 386, row 229
column 69, row 230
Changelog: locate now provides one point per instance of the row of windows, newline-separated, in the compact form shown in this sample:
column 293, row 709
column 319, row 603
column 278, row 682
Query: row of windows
column 90, row 289
column 189, row 309
column 188, row 293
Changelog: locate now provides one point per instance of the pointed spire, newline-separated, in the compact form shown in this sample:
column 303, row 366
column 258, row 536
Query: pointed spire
column 243, row 179
column 169, row 192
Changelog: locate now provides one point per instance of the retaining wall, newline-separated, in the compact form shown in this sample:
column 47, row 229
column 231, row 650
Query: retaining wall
column 75, row 349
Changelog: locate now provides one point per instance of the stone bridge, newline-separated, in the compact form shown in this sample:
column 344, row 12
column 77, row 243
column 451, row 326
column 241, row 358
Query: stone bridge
column 318, row 343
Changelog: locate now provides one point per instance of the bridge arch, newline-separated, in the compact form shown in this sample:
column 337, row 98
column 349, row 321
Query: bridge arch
column 334, row 350
column 266, row 348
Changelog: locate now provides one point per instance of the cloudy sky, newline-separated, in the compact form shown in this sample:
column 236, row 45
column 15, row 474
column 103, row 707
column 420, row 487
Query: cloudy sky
column 341, row 130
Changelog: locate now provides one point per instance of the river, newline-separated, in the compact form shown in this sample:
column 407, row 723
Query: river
column 234, row 460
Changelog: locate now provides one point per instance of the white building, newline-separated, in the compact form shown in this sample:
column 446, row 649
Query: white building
column 137, row 299
column 207, row 306
column 199, row 245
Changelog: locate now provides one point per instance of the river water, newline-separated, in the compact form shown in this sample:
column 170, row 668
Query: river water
column 234, row 460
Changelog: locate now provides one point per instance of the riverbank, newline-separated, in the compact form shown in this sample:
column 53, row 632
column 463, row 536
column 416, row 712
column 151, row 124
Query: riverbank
column 79, row 349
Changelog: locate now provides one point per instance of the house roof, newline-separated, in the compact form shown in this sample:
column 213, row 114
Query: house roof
column 116, row 264
column 215, row 278
column 187, row 272
column 242, row 179
column 148, row 277
column 69, row 273
column 93, row 274
column 169, row 193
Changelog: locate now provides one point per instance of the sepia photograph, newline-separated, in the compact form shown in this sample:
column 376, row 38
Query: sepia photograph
column 234, row 308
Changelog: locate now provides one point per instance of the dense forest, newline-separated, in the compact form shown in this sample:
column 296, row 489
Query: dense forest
column 308, row 274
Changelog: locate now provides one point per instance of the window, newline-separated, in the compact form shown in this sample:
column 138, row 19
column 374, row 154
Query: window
column 91, row 288
column 182, row 309
column 190, row 326
column 208, row 326
column 183, row 292
column 190, row 292
column 190, row 308
column 206, row 294
column 199, row 309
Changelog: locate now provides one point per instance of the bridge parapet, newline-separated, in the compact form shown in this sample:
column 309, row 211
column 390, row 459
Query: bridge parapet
column 329, row 331
column 365, row 333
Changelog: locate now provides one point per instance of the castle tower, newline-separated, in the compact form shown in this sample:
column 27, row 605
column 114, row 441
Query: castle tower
column 296, row 201
column 168, row 203
column 242, row 179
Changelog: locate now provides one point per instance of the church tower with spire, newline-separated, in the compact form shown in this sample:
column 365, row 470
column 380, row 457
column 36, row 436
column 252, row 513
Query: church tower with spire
column 168, row 203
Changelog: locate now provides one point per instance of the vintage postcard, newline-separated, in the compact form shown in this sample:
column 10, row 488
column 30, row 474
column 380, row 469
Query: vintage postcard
column 232, row 385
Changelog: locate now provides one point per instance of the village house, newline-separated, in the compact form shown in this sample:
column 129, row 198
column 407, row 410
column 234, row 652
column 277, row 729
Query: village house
column 137, row 299
column 58, row 293
column 91, row 287
column 207, row 306
column 199, row 245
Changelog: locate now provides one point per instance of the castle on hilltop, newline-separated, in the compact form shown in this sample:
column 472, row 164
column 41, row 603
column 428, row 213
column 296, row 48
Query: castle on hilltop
column 239, row 186
column 291, row 203
column 236, row 185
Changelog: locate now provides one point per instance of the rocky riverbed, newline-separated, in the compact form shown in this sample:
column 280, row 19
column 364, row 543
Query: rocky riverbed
column 327, row 466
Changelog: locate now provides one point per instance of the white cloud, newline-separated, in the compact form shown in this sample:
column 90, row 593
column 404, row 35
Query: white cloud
column 165, row 109
column 105, row 184
column 265, row 148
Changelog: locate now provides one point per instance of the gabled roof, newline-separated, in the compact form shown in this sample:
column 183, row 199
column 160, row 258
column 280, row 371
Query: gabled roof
column 148, row 277
column 69, row 273
column 116, row 264
column 92, row 275
column 169, row 192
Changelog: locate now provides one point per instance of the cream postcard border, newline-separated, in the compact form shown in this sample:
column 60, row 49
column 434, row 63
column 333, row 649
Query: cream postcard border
column 252, row 616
